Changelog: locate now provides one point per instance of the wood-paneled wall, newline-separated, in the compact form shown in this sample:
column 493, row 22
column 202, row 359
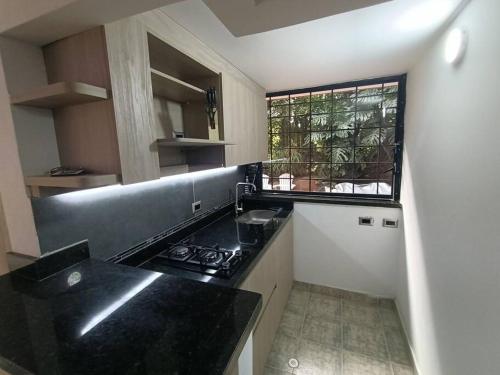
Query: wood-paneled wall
column 86, row 133
column 245, row 122
column 132, row 97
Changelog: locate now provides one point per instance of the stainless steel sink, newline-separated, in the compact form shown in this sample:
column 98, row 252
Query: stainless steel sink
column 256, row 217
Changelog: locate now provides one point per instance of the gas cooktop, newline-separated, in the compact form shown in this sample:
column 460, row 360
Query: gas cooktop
column 210, row 260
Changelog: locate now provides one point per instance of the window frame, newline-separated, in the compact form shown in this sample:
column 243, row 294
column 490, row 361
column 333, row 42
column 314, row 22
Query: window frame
column 398, row 141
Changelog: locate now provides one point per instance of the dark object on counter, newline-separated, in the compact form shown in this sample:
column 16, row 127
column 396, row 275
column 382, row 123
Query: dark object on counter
column 219, row 229
column 211, row 105
column 67, row 171
column 209, row 260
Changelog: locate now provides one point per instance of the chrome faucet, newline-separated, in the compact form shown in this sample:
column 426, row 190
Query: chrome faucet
column 237, row 207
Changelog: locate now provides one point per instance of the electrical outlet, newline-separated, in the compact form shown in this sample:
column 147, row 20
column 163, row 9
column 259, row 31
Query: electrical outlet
column 196, row 206
column 365, row 220
column 390, row 223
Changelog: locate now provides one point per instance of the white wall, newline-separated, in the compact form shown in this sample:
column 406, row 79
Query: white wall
column 450, row 291
column 24, row 69
column 332, row 249
column 20, row 226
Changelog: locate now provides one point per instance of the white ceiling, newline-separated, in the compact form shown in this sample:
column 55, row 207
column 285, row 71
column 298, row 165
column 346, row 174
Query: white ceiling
column 380, row 40
column 245, row 17
column 42, row 22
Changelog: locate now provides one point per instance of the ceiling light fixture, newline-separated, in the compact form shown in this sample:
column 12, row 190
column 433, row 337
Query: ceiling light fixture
column 456, row 43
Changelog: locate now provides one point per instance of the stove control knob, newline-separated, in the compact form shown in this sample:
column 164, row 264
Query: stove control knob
column 237, row 253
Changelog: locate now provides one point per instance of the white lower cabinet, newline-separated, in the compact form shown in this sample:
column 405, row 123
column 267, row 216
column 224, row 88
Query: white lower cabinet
column 245, row 361
column 272, row 277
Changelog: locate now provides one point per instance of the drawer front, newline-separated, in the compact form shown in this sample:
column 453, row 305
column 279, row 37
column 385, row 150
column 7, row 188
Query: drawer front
column 283, row 249
column 264, row 332
column 272, row 277
column 263, row 278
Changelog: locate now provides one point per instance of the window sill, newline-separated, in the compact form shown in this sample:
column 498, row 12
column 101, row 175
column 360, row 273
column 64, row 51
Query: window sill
column 355, row 201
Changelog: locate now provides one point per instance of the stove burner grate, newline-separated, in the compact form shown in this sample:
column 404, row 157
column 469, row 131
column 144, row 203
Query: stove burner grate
column 211, row 260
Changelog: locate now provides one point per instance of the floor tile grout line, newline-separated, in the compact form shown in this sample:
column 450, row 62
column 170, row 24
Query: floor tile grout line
column 391, row 327
column 296, row 338
column 341, row 334
column 385, row 340
column 304, row 314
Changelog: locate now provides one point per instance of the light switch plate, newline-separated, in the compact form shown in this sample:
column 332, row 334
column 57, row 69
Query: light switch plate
column 196, row 206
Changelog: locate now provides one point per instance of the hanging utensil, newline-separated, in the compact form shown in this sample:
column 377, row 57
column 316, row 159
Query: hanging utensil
column 211, row 107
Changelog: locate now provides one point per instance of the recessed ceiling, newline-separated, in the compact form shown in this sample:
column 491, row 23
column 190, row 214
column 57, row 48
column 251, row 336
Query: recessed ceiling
column 42, row 22
column 245, row 17
column 380, row 40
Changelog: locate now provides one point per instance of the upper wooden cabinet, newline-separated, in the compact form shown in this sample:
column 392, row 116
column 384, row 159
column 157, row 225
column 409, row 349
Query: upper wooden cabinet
column 127, row 101
column 181, row 70
column 131, row 83
column 243, row 105
column 245, row 121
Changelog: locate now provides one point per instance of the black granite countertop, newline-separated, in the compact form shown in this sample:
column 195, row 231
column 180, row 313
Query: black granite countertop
column 283, row 197
column 223, row 230
column 103, row 318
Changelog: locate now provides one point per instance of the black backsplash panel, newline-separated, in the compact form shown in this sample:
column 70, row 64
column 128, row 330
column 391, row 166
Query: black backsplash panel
column 116, row 218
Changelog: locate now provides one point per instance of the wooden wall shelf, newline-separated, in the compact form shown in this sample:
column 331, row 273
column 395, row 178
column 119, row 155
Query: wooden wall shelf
column 73, row 182
column 190, row 142
column 174, row 89
column 168, row 59
column 60, row 94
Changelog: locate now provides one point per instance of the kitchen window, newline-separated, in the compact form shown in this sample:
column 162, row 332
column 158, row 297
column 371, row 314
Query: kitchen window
column 342, row 139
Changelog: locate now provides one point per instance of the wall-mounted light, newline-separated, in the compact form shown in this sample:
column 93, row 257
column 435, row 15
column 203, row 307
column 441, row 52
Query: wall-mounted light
column 455, row 46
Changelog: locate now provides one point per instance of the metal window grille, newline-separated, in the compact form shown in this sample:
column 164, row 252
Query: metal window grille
column 341, row 139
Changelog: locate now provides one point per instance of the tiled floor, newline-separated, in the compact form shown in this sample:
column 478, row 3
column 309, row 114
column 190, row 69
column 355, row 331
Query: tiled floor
column 331, row 331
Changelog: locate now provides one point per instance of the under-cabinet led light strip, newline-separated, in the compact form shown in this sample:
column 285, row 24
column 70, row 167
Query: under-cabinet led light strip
column 113, row 190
